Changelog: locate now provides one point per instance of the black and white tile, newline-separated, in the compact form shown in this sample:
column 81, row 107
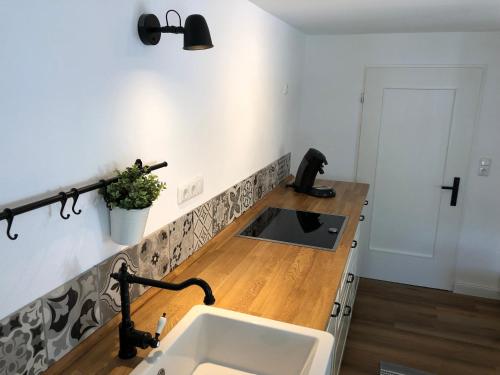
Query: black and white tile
column 246, row 194
column 162, row 245
column 70, row 314
column 22, row 342
column 288, row 158
column 181, row 239
column 234, row 199
column 203, row 218
column 259, row 185
column 284, row 167
column 220, row 209
column 109, row 289
column 154, row 256
column 271, row 176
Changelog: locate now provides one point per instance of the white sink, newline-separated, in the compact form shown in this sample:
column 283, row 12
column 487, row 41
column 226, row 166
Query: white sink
column 214, row 341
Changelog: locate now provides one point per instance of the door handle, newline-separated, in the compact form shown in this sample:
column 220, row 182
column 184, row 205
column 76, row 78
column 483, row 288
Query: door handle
column 454, row 191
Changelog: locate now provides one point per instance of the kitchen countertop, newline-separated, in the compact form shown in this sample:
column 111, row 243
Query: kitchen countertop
column 278, row 281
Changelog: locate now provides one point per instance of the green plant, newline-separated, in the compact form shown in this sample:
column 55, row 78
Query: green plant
column 135, row 188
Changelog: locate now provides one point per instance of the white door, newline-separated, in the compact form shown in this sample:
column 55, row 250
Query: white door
column 415, row 139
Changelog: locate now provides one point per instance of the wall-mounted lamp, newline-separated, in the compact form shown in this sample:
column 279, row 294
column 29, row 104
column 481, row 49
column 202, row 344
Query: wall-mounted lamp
column 195, row 30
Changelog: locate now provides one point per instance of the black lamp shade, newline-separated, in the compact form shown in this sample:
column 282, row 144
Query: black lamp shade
column 196, row 33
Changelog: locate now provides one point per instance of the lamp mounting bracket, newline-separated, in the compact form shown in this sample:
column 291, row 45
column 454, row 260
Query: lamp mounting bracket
column 149, row 29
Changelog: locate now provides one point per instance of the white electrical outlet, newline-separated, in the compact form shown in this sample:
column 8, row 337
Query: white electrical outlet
column 198, row 186
column 189, row 190
column 183, row 193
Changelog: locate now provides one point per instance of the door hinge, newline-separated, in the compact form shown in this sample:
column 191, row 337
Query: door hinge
column 362, row 98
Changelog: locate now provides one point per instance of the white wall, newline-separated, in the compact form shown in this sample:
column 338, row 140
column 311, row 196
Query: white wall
column 330, row 118
column 81, row 95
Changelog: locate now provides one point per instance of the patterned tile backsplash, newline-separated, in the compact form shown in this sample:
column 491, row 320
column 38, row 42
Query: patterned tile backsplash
column 109, row 289
column 181, row 239
column 22, row 342
column 283, row 167
column 234, row 199
column 44, row 331
column 246, row 194
column 258, row 185
column 272, row 176
column 153, row 262
column 220, row 209
column 203, row 218
column 70, row 314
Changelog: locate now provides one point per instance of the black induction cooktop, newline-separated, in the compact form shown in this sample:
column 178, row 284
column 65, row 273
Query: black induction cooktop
column 301, row 228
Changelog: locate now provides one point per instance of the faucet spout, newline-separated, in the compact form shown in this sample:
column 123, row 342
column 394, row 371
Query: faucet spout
column 209, row 297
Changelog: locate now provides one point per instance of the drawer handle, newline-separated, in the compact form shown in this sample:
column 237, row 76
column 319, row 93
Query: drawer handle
column 336, row 310
column 350, row 278
column 347, row 310
column 354, row 244
column 362, row 218
column 366, row 203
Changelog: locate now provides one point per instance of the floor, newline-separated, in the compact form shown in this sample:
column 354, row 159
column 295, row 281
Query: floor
column 426, row 329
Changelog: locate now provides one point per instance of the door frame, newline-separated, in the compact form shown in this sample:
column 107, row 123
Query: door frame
column 464, row 185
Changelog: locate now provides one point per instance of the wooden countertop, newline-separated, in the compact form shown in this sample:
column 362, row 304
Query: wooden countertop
column 277, row 281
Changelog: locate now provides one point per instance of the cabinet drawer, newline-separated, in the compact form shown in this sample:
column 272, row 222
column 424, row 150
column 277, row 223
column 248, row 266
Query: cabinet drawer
column 339, row 345
column 342, row 330
column 344, row 304
column 345, row 307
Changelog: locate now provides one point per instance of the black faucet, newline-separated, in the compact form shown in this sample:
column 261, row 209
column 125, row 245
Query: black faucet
column 130, row 338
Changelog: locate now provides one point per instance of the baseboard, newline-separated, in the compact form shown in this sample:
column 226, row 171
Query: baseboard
column 476, row 290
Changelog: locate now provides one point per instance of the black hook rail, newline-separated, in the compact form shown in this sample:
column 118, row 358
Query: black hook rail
column 9, row 213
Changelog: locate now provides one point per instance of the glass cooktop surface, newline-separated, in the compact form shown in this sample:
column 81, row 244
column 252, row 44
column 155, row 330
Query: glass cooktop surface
column 301, row 228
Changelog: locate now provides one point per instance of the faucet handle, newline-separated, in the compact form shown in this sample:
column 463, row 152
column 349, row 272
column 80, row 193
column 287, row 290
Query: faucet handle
column 162, row 322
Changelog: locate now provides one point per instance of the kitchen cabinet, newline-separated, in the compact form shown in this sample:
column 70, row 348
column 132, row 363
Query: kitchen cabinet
column 340, row 317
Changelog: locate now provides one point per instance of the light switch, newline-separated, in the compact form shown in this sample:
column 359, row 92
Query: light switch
column 484, row 167
column 284, row 91
column 485, row 162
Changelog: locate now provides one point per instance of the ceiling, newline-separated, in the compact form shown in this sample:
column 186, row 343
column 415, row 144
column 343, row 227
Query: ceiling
column 385, row 16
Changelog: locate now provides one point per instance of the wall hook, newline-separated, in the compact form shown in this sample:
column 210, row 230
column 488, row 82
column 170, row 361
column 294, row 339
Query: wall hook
column 138, row 162
column 76, row 195
column 10, row 219
column 64, row 199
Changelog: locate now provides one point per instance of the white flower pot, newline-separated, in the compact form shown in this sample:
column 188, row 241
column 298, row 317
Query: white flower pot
column 127, row 226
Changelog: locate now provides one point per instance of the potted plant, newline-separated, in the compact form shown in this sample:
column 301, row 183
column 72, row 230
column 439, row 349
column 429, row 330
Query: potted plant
column 129, row 199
